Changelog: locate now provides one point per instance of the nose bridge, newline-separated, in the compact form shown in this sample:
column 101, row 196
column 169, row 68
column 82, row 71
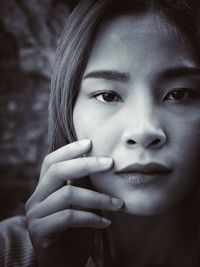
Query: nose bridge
column 146, row 118
column 144, row 125
column 143, row 112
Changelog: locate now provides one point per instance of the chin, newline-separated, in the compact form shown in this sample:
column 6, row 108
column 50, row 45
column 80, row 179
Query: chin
column 146, row 209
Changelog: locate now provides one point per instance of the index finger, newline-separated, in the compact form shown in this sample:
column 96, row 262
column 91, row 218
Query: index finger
column 64, row 153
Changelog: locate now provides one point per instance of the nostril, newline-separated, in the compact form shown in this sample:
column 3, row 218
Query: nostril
column 131, row 142
column 156, row 142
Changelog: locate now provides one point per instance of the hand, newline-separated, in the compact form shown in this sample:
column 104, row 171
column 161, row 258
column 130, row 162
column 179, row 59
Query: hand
column 50, row 213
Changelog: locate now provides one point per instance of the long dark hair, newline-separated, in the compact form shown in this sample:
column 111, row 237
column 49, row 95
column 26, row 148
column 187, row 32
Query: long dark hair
column 75, row 46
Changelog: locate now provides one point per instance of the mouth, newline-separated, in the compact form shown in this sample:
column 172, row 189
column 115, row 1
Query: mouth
column 140, row 174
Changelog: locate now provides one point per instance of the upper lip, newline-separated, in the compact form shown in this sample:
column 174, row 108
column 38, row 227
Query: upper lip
column 145, row 168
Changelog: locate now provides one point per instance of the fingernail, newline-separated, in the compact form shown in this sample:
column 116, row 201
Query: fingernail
column 105, row 161
column 84, row 142
column 116, row 202
column 105, row 221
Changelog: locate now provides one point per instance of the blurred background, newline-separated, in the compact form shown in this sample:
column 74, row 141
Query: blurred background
column 29, row 33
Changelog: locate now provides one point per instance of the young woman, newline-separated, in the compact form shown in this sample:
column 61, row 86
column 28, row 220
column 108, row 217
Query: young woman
column 121, row 183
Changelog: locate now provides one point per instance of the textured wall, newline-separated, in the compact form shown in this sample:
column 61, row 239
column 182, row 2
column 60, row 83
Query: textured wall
column 29, row 32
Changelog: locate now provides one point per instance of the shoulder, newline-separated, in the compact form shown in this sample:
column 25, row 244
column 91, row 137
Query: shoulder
column 15, row 245
column 14, row 231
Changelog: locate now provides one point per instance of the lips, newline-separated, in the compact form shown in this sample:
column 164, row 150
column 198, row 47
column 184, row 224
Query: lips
column 147, row 168
column 144, row 174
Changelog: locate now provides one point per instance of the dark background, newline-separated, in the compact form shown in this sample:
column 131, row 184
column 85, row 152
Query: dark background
column 29, row 33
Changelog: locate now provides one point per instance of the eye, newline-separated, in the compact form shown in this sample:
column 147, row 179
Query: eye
column 108, row 96
column 180, row 94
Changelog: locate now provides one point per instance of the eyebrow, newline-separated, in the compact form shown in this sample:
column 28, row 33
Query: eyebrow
column 179, row 72
column 170, row 73
column 108, row 75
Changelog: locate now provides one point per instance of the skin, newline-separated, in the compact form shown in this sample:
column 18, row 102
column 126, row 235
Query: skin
column 50, row 213
column 144, row 115
column 143, row 110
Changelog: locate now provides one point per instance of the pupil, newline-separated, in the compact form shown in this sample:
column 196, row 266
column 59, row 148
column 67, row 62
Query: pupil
column 108, row 97
column 178, row 95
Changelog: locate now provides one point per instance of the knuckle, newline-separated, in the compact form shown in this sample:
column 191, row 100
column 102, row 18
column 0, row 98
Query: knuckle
column 27, row 206
column 29, row 203
column 32, row 226
column 28, row 217
column 91, row 219
column 69, row 217
column 103, row 199
column 68, row 192
column 87, row 164
column 47, row 160
column 98, row 219
column 31, row 214
column 28, row 221
column 94, row 165
column 54, row 170
column 31, row 218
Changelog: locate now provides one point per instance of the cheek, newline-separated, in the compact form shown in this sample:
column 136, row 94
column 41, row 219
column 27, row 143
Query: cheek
column 185, row 155
column 183, row 134
column 185, row 138
column 103, row 132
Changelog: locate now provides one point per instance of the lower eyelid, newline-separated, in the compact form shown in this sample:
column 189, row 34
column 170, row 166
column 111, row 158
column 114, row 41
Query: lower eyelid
column 108, row 102
column 100, row 93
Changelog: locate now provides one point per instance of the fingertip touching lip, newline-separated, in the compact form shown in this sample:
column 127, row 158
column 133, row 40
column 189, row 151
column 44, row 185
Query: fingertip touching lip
column 145, row 168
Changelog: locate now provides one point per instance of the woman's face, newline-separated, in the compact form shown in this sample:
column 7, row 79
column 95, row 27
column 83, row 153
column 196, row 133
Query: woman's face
column 139, row 103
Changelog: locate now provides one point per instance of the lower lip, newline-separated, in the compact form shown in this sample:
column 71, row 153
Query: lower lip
column 144, row 178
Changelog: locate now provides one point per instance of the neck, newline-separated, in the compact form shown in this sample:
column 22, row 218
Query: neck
column 164, row 240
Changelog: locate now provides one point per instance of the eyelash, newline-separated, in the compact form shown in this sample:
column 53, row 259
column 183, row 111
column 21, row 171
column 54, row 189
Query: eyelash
column 189, row 94
column 108, row 93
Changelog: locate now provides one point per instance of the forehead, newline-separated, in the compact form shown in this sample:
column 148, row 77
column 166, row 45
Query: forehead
column 148, row 37
column 125, row 25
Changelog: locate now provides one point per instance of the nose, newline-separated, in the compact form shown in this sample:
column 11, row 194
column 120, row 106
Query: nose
column 145, row 134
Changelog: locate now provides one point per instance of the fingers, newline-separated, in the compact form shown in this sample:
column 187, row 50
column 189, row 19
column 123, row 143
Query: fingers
column 72, row 169
column 63, row 220
column 64, row 153
column 74, row 196
column 49, row 211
